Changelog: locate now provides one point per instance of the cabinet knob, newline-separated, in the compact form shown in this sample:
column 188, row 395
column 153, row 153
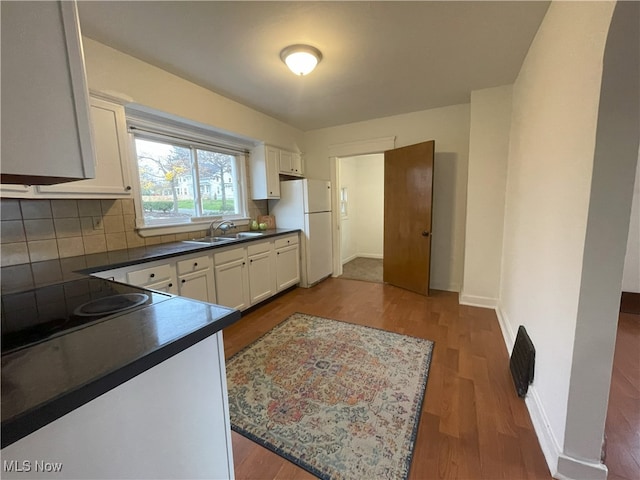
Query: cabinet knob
column 195, row 264
column 277, row 253
column 170, row 285
column 184, row 281
column 152, row 275
column 128, row 188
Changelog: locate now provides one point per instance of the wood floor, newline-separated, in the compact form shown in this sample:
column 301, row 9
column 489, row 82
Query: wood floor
column 472, row 426
column 623, row 415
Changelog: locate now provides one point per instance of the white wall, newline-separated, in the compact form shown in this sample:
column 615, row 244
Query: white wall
column 546, row 255
column 363, row 229
column 109, row 70
column 488, row 154
column 449, row 127
column 631, row 276
column 610, row 200
column 348, row 178
column 370, row 208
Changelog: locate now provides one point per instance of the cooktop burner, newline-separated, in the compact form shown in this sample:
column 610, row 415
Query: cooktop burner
column 37, row 315
column 112, row 304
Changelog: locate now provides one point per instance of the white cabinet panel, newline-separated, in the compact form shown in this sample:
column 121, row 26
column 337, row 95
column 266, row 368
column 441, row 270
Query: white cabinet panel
column 111, row 146
column 159, row 276
column 196, row 278
column 287, row 266
column 264, row 163
column 232, row 278
column 196, row 285
column 261, row 276
column 46, row 133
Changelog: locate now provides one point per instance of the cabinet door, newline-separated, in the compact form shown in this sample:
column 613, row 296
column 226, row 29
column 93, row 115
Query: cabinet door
column 286, row 165
column 44, row 93
column 260, row 277
column 287, row 267
column 273, row 167
column 197, row 285
column 232, row 284
column 112, row 157
column 167, row 286
column 296, row 164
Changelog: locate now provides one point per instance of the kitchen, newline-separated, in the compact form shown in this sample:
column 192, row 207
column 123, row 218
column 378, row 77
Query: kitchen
column 109, row 70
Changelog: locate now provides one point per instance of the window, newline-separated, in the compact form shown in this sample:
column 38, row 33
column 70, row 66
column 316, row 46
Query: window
column 182, row 180
column 344, row 202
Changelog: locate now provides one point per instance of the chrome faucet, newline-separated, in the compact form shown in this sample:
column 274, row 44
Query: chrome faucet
column 224, row 225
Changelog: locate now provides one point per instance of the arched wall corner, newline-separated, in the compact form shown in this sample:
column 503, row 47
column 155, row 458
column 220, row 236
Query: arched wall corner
column 615, row 162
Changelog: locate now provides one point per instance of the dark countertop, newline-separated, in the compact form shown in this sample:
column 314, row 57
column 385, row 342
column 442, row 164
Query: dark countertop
column 48, row 380
column 43, row 382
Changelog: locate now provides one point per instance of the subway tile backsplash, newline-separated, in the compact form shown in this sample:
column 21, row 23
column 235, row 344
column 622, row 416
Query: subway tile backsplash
column 40, row 230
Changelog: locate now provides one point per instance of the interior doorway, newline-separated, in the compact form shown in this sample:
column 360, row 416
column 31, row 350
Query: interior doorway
column 361, row 216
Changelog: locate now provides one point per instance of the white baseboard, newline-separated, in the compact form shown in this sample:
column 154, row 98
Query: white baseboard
column 507, row 333
column 370, row 255
column 477, row 301
column 562, row 467
column 348, row 259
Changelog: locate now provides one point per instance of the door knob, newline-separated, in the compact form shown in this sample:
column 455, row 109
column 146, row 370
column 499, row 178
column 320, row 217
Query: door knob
column 425, row 234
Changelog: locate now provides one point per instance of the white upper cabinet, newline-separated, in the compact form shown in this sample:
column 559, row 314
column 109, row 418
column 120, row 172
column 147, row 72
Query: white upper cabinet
column 290, row 163
column 265, row 165
column 110, row 140
column 46, row 133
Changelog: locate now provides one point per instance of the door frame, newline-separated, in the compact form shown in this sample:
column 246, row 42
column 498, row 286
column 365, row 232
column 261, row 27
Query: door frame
column 349, row 149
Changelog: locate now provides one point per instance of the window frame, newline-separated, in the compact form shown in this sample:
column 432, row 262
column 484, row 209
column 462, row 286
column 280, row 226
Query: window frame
column 186, row 134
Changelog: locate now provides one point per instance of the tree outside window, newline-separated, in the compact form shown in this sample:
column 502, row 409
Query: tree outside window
column 179, row 182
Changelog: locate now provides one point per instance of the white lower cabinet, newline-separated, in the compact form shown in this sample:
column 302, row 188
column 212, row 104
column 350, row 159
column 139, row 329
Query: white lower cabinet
column 196, row 279
column 287, row 261
column 232, row 278
column 157, row 276
column 236, row 276
column 261, row 271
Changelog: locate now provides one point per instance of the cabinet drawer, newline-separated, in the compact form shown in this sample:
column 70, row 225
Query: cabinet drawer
column 228, row 256
column 256, row 248
column 286, row 241
column 150, row 275
column 194, row 264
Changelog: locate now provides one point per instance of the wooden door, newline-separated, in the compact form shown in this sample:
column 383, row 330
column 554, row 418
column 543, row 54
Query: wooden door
column 408, row 198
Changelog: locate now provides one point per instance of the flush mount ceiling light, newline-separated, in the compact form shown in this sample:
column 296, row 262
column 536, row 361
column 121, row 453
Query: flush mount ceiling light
column 301, row 59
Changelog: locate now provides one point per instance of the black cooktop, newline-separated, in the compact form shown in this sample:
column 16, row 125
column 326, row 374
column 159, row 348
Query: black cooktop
column 43, row 313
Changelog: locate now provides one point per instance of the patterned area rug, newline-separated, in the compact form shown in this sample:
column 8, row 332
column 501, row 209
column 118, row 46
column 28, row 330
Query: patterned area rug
column 340, row 400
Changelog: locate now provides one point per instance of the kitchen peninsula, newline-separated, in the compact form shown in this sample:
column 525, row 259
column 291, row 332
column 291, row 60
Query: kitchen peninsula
column 138, row 394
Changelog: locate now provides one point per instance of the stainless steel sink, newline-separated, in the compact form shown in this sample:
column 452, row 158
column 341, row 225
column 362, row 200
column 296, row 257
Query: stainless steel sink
column 210, row 240
column 247, row 234
column 225, row 239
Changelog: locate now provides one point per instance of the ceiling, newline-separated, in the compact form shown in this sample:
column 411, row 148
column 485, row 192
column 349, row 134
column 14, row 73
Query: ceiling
column 380, row 58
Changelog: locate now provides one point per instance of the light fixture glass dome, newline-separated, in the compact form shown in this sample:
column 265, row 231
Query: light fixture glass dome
column 301, row 59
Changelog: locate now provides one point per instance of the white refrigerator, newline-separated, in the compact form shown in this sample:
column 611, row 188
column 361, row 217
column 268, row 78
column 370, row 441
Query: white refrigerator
column 306, row 204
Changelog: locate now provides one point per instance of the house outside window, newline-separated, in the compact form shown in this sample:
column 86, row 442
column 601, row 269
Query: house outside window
column 185, row 177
